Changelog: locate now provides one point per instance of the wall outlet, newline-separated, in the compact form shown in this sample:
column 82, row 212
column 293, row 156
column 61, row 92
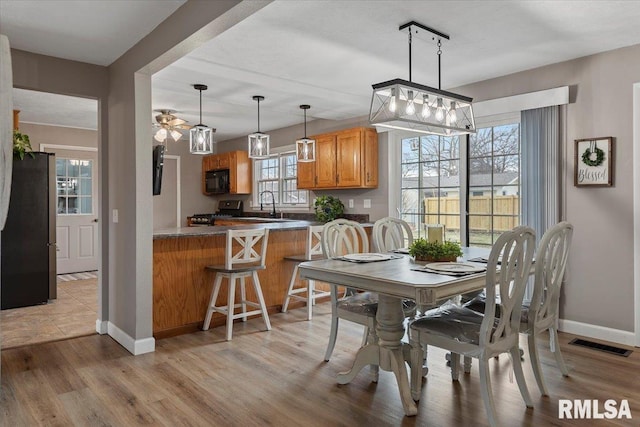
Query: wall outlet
column 367, row 203
column 351, row 204
column 115, row 216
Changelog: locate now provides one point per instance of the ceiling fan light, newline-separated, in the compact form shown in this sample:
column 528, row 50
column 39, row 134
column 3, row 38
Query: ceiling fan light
column 176, row 135
column 161, row 135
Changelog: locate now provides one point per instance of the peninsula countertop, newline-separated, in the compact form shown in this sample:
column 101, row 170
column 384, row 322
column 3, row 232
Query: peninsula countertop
column 271, row 224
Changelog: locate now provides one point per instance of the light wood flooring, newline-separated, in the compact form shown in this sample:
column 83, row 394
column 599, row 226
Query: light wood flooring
column 72, row 314
column 279, row 378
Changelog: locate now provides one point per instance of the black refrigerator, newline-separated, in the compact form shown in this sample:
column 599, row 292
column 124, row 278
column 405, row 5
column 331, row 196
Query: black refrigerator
column 28, row 240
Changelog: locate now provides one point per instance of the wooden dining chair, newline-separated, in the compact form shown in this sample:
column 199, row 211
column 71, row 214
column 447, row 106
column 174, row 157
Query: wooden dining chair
column 313, row 251
column 466, row 332
column 542, row 312
column 244, row 255
column 390, row 234
column 341, row 237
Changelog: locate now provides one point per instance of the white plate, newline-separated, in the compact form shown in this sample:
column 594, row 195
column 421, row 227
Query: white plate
column 367, row 257
column 454, row 267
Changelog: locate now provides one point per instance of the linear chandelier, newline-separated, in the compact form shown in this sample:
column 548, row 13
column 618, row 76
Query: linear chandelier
column 258, row 141
column 405, row 105
column 201, row 136
column 306, row 147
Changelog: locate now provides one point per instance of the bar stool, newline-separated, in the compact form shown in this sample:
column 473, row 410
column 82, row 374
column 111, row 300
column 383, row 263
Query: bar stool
column 313, row 251
column 245, row 254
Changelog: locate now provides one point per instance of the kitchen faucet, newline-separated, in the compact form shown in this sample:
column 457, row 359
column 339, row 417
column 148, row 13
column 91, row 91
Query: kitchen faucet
column 273, row 202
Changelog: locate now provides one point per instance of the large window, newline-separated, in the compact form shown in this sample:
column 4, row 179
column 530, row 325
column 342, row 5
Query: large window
column 74, row 186
column 494, row 183
column 441, row 177
column 430, row 183
column 278, row 174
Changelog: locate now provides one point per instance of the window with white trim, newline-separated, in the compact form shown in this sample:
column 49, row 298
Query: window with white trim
column 279, row 173
column 439, row 176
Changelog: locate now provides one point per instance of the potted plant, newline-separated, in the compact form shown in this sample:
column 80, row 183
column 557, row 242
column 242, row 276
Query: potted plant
column 21, row 145
column 423, row 250
column 328, row 208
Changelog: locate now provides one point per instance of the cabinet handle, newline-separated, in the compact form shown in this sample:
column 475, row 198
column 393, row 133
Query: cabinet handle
column 337, row 177
column 368, row 176
column 316, row 180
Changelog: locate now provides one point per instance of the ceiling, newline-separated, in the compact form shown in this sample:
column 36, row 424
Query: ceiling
column 323, row 53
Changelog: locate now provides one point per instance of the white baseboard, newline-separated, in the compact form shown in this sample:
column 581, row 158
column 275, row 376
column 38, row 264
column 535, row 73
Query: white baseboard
column 598, row 332
column 101, row 326
column 135, row 347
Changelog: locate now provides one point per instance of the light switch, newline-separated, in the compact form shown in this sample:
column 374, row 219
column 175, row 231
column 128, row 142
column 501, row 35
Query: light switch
column 351, row 203
column 367, row 203
column 115, row 216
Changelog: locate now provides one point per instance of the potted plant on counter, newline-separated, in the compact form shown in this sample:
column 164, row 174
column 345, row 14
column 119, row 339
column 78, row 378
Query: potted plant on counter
column 424, row 250
column 328, row 208
column 21, row 145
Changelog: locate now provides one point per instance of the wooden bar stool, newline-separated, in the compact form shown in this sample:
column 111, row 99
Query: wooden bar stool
column 245, row 254
column 313, row 251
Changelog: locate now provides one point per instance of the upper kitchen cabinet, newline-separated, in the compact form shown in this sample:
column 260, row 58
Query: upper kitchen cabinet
column 239, row 166
column 344, row 159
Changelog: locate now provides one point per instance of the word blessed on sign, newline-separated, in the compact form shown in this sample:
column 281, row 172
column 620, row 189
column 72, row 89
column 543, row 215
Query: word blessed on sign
column 594, row 162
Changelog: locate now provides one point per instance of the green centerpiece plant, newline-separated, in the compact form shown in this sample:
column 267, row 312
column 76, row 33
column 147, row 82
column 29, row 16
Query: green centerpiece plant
column 328, row 208
column 21, row 145
column 424, row 250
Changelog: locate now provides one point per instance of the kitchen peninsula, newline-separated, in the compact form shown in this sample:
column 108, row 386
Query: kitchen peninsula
column 182, row 286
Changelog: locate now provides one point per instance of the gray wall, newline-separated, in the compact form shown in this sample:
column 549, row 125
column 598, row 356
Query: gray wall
column 42, row 134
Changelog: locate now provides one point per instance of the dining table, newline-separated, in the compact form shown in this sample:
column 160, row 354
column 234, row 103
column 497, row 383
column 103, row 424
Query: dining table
column 395, row 278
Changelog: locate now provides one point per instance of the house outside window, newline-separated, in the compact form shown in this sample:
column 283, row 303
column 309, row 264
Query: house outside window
column 278, row 174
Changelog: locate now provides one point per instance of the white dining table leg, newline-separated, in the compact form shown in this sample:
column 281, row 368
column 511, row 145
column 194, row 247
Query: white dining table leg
column 388, row 353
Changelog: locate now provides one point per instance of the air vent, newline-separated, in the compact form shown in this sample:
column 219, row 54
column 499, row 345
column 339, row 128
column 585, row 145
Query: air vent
column 601, row 347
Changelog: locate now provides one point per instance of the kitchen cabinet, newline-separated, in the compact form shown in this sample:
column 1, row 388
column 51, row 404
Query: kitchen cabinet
column 344, row 159
column 239, row 167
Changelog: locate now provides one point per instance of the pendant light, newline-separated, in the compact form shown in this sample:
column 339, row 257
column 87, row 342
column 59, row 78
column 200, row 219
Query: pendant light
column 258, row 141
column 401, row 104
column 201, row 136
column 305, row 147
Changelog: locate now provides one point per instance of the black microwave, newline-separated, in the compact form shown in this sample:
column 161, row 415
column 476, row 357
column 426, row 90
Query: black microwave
column 217, row 182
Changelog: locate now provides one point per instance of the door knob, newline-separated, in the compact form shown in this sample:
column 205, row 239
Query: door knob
column 95, row 220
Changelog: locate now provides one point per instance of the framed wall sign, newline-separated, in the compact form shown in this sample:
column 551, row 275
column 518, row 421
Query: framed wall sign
column 594, row 162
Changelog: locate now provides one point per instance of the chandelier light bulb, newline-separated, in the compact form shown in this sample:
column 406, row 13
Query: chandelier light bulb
column 411, row 107
column 426, row 110
column 392, row 103
column 176, row 135
column 440, row 113
column 452, row 113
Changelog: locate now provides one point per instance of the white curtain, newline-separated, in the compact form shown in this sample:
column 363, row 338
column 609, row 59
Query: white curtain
column 541, row 168
column 6, row 127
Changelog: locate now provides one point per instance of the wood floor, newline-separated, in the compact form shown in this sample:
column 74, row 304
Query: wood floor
column 279, row 378
column 72, row 314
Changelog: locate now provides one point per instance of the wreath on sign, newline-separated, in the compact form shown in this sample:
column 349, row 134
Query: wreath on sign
column 587, row 156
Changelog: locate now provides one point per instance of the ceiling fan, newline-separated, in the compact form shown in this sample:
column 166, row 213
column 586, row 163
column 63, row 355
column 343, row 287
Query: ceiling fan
column 169, row 125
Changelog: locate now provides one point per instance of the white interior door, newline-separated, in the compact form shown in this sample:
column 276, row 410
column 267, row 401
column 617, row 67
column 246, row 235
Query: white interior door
column 166, row 205
column 77, row 208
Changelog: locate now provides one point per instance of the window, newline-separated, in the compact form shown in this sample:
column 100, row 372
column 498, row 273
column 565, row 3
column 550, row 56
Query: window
column 494, row 183
column 430, row 183
column 74, row 186
column 434, row 176
column 278, row 174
